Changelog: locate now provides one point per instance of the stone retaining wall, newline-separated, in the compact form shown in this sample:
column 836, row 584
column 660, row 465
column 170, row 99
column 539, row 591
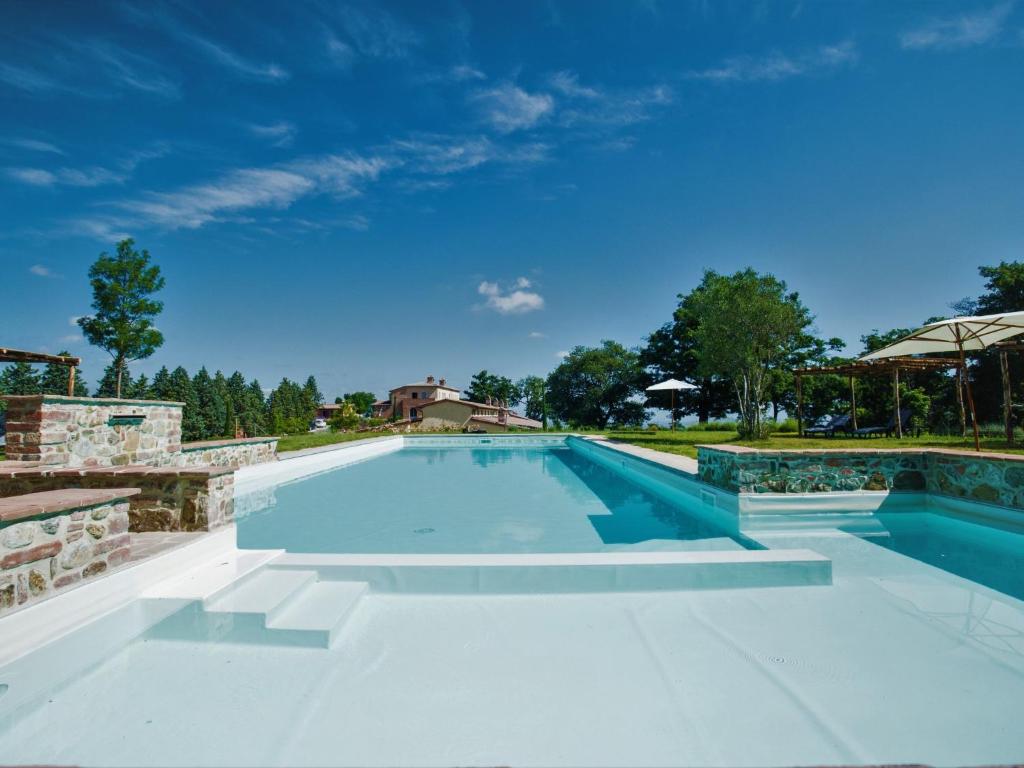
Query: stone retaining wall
column 986, row 477
column 171, row 498
column 91, row 432
column 228, row 453
column 42, row 552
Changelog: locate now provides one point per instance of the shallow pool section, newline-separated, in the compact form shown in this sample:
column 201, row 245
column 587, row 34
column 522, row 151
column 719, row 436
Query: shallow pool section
column 985, row 554
column 480, row 497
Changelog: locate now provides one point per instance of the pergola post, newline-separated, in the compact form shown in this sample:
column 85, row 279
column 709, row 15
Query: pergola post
column 967, row 385
column 799, row 406
column 71, row 381
column 853, row 403
column 896, row 400
column 1004, row 367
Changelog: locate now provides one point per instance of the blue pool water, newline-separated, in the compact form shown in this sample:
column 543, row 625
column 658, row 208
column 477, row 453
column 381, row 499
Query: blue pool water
column 982, row 553
column 476, row 500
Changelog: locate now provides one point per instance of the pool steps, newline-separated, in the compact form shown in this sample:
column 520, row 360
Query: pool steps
column 292, row 607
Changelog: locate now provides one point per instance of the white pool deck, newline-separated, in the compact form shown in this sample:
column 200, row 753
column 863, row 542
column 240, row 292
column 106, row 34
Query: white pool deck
column 894, row 661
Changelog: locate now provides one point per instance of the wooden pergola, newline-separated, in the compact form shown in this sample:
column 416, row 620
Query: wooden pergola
column 890, row 366
column 1004, row 348
column 20, row 356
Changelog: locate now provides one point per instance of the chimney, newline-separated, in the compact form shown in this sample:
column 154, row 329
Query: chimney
column 430, row 379
column 503, row 413
column 443, row 381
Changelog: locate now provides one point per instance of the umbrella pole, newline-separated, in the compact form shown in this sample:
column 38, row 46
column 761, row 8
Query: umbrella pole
column 673, row 410
column 970, row 396
column 1004, row 368
column 799, row 407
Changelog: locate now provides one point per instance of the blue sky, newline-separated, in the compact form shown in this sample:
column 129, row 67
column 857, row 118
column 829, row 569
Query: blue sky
column 373, row 193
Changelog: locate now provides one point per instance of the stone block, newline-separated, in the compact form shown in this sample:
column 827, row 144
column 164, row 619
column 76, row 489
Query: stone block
column 23, row 556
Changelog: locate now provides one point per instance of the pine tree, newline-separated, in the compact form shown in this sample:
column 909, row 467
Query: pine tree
column 254, row 415
column 210, row 404
column 180, row 389
column 161, row 384
column 54, row 380
column 312, row 392
column 20, row 379
column 141, row 389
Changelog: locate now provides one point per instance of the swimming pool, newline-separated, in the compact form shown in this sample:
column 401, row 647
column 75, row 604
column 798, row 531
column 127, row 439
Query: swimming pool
column 486, row 495
column 985, row 554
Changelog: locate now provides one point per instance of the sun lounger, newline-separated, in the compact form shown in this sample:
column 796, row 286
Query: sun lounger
column 889, row 429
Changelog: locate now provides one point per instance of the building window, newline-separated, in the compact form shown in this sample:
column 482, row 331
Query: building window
column 415, row 395
column 412, row 413
column 424, row 396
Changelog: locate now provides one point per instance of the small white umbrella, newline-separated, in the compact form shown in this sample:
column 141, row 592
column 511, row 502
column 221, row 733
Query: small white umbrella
column 958, row 334
column 673, row 385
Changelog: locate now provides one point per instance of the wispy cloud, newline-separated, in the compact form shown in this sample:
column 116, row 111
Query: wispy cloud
column 568, row 84
column 591, row 106
column 962, row 31
column 41, row 270
column 88, row 68
column 509, row 108
column 516, row 299
column 237, row 191
column 778, row 66
column 216, row 51
column 91, row 176
column 537, row 335
column 279, row 134
column 71, row 338
column 377, row 33
column 460, row 73
column 33, row 145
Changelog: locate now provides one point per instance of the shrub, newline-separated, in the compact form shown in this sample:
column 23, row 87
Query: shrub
column 717, row 426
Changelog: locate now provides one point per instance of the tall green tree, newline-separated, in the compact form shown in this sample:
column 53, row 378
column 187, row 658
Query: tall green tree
column 486, row 385
column 178, row 388
column 596, row 386
column 20, row 379
column 312, row 391
column 362, row 402
column 211, row 404
column 123, row 307
column 534, row 397
column 54, row 380
column 671, row 352
column 747, row 325
column 255, row 414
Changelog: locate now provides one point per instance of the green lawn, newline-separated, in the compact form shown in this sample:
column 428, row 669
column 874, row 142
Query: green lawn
column 318, row 439
column 685, row 442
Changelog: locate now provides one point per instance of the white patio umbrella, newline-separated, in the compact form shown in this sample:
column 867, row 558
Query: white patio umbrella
column 673, row 385
column 958, row 334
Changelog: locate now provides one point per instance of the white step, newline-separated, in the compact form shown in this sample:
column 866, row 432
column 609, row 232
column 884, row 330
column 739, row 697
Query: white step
column 263, row 593
column 321, row 608
column 204, row 581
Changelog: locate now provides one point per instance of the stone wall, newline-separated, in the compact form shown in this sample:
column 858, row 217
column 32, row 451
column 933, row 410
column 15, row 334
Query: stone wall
column 51, row 541
column 985, row 477
column 171, row 498
column 91, row 432
column 228, row 453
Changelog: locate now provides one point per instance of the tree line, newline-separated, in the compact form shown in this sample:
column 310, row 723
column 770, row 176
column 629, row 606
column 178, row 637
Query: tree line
column 215, row 405
column 738, row 338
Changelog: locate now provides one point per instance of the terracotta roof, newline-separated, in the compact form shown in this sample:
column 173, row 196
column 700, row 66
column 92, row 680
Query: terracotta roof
column 512, row 421
column 427, row 384
column 470, row 403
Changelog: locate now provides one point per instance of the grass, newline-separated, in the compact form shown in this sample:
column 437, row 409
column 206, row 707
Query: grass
column 303, row 440
column 685, row 442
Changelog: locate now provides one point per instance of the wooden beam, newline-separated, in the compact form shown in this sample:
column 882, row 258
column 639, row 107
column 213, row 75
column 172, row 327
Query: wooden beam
column 1004, row 367
column 853, row 403
column 799, row 406
column 970, row 395
column 20, row 356
column 896, row 400
column 71, row 381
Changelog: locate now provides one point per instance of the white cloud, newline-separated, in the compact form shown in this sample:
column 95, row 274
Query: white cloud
column 562, row 354
column 71, row 338
column 339, row 52
column 460, row 73
column 90, row 176
column 537, row 335
column 88, row 68
column 34, row 145
column 515, row 300
column 270, row 72
column 509, row 108
column 73, row 320
column 568, row 84
column 277, row 187
column 280, row 134
column 377, row 33
column 961, row 31
column 40, row 270
column 778, row 66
